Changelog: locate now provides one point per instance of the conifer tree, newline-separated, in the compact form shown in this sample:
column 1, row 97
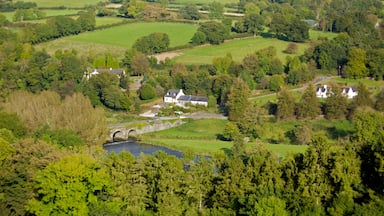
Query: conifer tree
column 335, row 105
column 379, row 104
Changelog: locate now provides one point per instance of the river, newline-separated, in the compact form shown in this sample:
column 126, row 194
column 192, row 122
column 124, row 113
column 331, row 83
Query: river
column 137, row 148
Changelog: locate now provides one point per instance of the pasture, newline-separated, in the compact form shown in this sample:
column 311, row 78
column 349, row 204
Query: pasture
column 65, row 3
column 201, row 136
column 239, row 48
column 119, row 39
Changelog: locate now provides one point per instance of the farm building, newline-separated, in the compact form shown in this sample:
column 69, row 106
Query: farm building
column 180, row 99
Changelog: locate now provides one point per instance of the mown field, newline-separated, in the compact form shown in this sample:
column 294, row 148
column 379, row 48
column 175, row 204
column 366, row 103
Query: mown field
column 119, row 39
column 202, row 136
column 239, row 48
column 66, row 3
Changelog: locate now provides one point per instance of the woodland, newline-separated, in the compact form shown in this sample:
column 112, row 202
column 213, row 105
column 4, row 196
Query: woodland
column 53, row 121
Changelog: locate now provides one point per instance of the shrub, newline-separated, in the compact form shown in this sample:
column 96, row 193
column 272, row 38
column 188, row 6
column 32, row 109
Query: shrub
column 147, row 92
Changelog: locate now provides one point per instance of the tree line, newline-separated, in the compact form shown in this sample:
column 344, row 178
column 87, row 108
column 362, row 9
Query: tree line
column 39, row 178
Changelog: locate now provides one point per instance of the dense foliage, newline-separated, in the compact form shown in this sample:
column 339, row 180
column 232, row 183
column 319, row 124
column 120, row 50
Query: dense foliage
column 52, row 119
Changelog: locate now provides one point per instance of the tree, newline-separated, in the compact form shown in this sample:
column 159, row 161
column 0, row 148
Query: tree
column 18, row 170
column 216, row 10
column 72, row 185
column 379, row 104
column 237, row 100
column 309, row 105
column 222, row 64
column 363, row 98
column 285, row 105
column 253, row 23
column 215, row 32
column 154, row 43
column 276, row 82
column 356, row 64
column 231, row 131
column 147, row 92
column 190, row 12
column 335, row 105
column 87, row 20
column 140, row 65
column 198, row 38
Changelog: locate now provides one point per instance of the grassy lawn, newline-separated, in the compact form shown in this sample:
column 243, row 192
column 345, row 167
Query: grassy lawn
column 118, row 39
column 201, row 137
column 66, row 3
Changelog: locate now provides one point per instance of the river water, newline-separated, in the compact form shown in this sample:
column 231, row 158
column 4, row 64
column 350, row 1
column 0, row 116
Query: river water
column 137, row 148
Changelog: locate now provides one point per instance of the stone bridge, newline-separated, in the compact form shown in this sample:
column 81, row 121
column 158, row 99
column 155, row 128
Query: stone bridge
column 131, row 131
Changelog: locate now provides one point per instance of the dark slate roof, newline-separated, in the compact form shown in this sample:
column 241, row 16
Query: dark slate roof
column 172, row 93
column 189, row 98
column 350, row 88
column 321, row 88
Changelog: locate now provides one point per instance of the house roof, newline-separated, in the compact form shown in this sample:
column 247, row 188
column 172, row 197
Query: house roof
column 322, row 88
column 189, row 98
column 172, row 93
column 347, row 89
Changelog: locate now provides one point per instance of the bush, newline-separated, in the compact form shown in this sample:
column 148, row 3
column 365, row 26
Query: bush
column 147, row 92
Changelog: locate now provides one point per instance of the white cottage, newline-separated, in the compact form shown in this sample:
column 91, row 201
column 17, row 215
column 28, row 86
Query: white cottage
column 180, row 99
column 172, row 95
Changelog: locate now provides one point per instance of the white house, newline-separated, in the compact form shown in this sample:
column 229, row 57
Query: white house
column 321, row 92
column 179, row 98
column 350, row 92
column 172, row 95
column 324, row 91
column 194, row 100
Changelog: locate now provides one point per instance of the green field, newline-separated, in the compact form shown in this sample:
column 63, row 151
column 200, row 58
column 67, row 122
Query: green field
column 66, row 3
column 204, row 1
column 373, row 85
column 101, row 21
column 119, row 39
column 239, row 48
column 201, row 136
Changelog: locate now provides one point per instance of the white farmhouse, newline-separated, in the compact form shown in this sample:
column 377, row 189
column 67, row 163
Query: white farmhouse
column 180, row 99
column 172, row 95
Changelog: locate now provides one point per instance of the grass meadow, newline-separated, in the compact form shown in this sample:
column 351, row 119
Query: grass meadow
column 239, row 48
column 66, row 3
column 117, row 40
column 201, row 136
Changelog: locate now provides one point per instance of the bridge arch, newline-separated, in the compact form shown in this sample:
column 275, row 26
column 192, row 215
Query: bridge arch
column 131, row 133
column 114, row 134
